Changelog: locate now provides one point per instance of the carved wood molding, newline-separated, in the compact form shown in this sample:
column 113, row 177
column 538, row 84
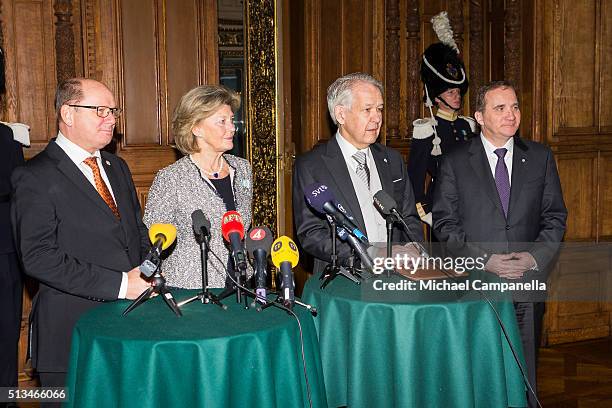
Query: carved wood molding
column 261, row 108
column 413, row 36
column 90, row 38
column 477, row 59
column 64, row 40
column 512, row 43
column 392, row 69
column 455, row 16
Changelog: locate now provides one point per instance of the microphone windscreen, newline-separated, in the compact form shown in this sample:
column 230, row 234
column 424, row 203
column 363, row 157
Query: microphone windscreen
column 384, row 202
column 259, row 238
column 199, row 221
column 232, row 222
column 284, row 250
column 318, row 194
column 167, row 230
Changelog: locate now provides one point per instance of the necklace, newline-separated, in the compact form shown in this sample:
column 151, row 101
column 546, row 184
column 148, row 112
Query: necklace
column 217, row 173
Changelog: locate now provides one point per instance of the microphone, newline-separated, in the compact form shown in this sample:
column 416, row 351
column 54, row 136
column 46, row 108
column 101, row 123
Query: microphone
column 366, row 260
column 161, row 236
column 387, row 206
column 201, row 225
column 285, row 256
column 258, row 244
column 320, row 197
column 232, row 229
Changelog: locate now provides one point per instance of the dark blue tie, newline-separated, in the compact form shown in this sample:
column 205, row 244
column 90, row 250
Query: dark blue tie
column 502, row 181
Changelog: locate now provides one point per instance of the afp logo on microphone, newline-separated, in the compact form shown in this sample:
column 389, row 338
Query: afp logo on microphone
column 232, row 216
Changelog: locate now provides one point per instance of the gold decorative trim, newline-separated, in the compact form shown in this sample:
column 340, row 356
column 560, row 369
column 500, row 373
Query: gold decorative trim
column 261, row 112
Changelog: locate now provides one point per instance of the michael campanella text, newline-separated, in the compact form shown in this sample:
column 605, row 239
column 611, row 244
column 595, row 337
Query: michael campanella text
column 476, row 284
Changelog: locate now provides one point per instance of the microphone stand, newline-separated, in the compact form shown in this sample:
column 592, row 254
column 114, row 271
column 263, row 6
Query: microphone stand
column 159, row 287
column 205, row 296
column 236, row 288
column 417, row 245
column 333, row 269
column 390, row 221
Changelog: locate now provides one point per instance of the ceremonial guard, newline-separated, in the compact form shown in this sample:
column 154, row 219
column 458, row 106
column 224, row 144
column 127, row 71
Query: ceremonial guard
column 445, row 83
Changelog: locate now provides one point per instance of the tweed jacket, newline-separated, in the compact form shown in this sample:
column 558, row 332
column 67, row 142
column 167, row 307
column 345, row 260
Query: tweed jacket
column 177, row 191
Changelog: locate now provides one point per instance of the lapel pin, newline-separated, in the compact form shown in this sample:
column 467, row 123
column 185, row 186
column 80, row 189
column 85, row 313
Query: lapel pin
column 385, row 159
column 523, row 160
column 108, row 163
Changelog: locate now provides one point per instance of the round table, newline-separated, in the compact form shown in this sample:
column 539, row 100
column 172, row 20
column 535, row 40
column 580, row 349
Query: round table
column 209, row 357
column 414, row 349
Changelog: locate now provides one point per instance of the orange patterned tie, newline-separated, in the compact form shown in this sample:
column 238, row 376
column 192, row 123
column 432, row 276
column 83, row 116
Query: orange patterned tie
column 101, row 185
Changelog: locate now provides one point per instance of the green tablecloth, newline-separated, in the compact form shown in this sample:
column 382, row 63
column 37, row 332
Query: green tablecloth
column 415, row 351
column 207, row 358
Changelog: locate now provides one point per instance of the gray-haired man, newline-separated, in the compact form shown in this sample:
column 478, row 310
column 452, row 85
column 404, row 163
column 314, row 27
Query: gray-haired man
column 355, row 168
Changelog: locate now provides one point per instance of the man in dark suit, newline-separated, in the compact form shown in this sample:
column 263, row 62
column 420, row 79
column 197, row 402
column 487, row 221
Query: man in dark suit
column 77, row 224
column 11, row 156
column 499, row 197
column 354, row 167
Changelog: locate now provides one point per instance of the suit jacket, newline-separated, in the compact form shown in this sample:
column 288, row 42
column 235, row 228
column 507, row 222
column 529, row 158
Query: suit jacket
column 467, row 208
column 325, row 164
column 11, row 156
column 71, row 242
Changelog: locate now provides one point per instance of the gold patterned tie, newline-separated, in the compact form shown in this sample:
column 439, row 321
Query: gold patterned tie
column 101, row 185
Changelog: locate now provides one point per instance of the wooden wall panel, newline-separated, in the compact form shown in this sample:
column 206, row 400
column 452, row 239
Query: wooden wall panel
column 183, row 72
column 34, row 85
column 578, row 173
column 604, row 204
column 140, row 72
column 338, row 39
column 578, row 276
column 357, row 35
column 605, row 113
column 575, row 90
column 332, row 61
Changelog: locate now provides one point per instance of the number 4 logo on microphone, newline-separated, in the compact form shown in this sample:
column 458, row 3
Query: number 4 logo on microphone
column 257, row 234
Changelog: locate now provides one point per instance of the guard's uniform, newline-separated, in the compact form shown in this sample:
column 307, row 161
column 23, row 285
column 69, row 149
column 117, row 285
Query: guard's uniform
column 441, row 69
column 426, row 151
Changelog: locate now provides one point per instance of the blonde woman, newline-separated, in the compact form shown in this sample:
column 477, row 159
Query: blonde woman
column 206, row 178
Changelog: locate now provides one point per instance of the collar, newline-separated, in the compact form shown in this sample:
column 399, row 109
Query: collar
column 348, row 150
column 451, row 117
column 490, row 148
column 76, row 153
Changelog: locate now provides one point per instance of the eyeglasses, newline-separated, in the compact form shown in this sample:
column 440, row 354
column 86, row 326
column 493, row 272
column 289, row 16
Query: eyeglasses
column 102, row 111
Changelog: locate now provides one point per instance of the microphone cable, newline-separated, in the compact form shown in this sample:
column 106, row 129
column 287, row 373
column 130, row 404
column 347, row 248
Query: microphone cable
column 499, row 321
column 506, row 336
column 280, row 306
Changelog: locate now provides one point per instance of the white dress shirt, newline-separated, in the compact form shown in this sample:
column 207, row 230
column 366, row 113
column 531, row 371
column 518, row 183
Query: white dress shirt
column 374, row 222
column 77, row 154
column 492, row 157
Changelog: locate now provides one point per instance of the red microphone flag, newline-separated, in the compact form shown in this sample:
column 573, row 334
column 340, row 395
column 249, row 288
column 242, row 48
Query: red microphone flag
column 232, row 222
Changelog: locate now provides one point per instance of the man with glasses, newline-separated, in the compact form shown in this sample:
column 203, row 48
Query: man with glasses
column 77, row 224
